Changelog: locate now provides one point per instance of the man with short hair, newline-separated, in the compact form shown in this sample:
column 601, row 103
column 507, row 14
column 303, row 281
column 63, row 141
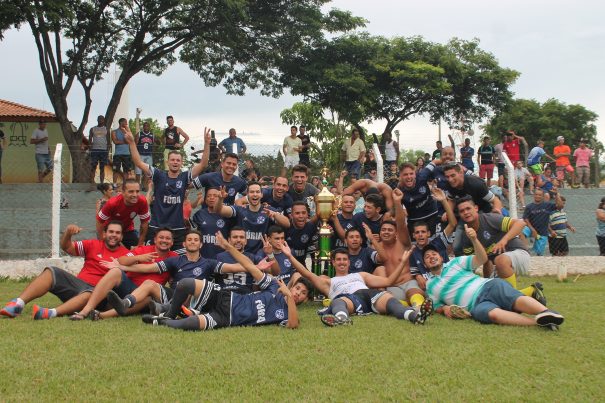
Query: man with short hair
column 466, row 155
column 537, row 216
column 522, row 175
column 512, row 145
column 251, row 173
column 43, row 160
column 417, row 198
column 353, row 151
column 487, row 300
column 371, row 216
column 302, row 235
column 169, row 189
column 122, row 162
column 485, row 158
column 99, row 145
column 172, row 139
column 208, row 221
column 73, row 291
column 342, row 221
column 562, row 152
column 361, row 258
column 291, row 147
column 534, row 158
column 225, row 178
column 226, row 145
column 125, row 207
column 582, row 156
column 303, row 155
column 277, row 196
column 144, row 140
column 301, row 189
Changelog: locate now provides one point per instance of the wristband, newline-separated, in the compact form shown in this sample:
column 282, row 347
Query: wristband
column 270, row 256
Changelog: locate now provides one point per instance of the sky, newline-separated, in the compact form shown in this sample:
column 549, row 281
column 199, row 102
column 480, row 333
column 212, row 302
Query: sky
column 557, row 46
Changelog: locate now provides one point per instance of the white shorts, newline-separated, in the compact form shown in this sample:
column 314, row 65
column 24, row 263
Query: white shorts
column 290, row 161
column 520, row 261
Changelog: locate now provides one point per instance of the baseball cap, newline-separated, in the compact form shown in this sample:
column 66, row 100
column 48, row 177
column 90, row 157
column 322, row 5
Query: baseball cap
column 560, row 138
column 429, row 247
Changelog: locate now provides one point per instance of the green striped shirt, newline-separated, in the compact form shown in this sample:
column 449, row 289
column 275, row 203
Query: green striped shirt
column 457, row 284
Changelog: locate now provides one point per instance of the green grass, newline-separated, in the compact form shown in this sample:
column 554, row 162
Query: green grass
column 376, row 359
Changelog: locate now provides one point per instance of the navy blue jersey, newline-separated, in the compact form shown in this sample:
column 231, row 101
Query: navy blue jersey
column 145, row 143
column 539, row 215
column 254, row 223
column 439, row 177
column 283, row 206
column 366, row 260
column 180, row 267
column 345, row 223
column 418, row 200
column 259, row 308
column 302, row 241
column 238, row 282
column 359, row 219
column 215, row 180
column 286, row 269
column 208, row 224
column 168, row 198
column 476, row 188
column 439, row 241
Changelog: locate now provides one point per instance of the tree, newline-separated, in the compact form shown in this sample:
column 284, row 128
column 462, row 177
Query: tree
column 366, row 78
column 241, row 44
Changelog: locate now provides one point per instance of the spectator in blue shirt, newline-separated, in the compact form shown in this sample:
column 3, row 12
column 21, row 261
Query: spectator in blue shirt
column 466, row 153
column 226, row 145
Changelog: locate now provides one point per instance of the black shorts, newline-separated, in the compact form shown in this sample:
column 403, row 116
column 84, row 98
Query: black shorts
column 558, row 246
column 65, row 285
column 122, row 163
column 130, row 239
column 363, row 300
column 217, row 307
column 166, row 294
column 501, row 168
column 98, row 157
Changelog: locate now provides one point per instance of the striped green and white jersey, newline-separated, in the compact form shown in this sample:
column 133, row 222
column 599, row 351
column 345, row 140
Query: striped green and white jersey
column 457, row 284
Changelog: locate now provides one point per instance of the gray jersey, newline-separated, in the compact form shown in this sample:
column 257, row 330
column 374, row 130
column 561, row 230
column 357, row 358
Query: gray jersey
column 41, row 148
column 492, row 227
column 98, row 138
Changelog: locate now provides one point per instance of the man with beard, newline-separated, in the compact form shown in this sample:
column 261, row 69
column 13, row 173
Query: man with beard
column 73, row 291
column 226, row 178
column 169, row 188
column 123, row 283
column 125, row 207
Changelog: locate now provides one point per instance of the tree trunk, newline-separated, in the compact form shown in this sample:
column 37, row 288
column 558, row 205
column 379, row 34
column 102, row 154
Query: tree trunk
column 79, row 162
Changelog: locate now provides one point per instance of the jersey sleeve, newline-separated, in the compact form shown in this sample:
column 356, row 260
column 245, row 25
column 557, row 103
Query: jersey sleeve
column 214, row 265
column 143, row 211
column 268, row 283
column 106, row 212
column 169, row 265
column 81, row 247
column 200, row 182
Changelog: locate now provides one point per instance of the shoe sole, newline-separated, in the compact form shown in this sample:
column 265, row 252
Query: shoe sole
column 549, row 318
column 116, row 302
column 425, row 311
column 9, row 315
column 153, row 320
column 332, row 320
column 458, row 312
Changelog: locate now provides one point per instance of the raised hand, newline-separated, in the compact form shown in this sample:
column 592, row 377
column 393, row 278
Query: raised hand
column 147, row 257
column 267, row 247
column 139, row 110
column 264, row 264
column 283, row 288
column 438, row 194
column 397, row 195
column 286, row 249
column 368, row 231
column 207, row 136
column 224, row 193
column 73, row 229
column 128, row 137
column 470, row 232
column 221, row 241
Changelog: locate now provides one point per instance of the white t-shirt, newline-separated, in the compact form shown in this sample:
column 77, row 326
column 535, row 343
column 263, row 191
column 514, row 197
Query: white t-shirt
column 291, row 144
column 41, row 148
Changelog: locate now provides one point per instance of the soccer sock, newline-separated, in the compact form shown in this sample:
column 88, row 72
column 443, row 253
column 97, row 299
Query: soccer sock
column 190, row 323
column 404, row 302
column 20, row 302
column 184, row 289
column 417, row 300
column 528, row 291
column 397, row 310
column 52, row 312
column 512, row 280
column 130, row 300
column 339, row 308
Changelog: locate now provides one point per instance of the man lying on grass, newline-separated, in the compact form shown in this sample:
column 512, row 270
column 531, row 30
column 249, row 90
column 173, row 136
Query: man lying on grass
column 352, row 292
column 489, row 300
column 275, row 304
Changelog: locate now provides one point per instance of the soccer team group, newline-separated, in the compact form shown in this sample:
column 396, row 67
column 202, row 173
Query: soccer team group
column 244, row 260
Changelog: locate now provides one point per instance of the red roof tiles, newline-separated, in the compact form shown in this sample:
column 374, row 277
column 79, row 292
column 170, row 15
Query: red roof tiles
column 11, row 111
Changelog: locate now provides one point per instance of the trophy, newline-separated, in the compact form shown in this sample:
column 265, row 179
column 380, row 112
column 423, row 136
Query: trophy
column 324, row 206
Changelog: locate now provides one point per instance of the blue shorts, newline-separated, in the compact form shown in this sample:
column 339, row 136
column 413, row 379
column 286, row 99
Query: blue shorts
column 353, row 168
column 99, row 157
column 125, row 287
column 496, row 293
column 44, row 162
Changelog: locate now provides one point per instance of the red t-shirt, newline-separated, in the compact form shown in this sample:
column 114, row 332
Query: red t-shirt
column 93, row 251
column 116, row 209
column 138, row 278
column 512, row 150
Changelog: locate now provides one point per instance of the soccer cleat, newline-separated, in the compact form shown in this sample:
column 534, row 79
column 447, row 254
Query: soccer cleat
column 187, row 312
column 39, row 313
column 154, row 320
column 117, row 303
column 155, row 308
column 323, row 311
column 538, row 293
column 459, row 312
column 547, row 318
column 333, row 320
column 425, row 311
column 12, row 309
column 94, row 315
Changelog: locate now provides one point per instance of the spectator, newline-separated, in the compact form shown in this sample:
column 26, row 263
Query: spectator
column 485, row 158
column 226, row 145
column 370, row 164
column 391, row 149
column 557, row 229
column 420, row 163
column 372, row 175
column 534, row 158
column 303, row 155
column 601, row 226
column 536, row 216
column 106, row 190
column 582, row 156
column 545, row 182
column 511, row 146
column 251, row 173
column 466, row 155
column 315, row 181
column 353, row 150
column 98, row 141
column 43, row 160
column 562, row 152
column 2, row 147
column 291, row 147
column 427, row 158
column 144, row 140
column 499, row 159
column 437, row 152
column 122, row 162
column 522, row 175
column 172, row 139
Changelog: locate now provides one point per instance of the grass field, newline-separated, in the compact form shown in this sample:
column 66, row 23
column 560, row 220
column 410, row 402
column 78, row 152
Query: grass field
column 376, row 359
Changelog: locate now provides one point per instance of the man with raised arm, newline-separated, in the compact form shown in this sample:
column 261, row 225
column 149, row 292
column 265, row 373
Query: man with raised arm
column 226, row 178
column 169, row 188
column 488, row 300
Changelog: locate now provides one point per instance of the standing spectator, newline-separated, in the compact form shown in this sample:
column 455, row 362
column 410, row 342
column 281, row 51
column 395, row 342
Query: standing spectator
column 391, row 149
column 251, row 173
column 582, row 156
column 144, row 141
column 40, row 139
column 511, row 146
column 522, row 175
column 466, row 155
column 557, row 230
column 485, row 158
column 499, row 159
column 226, row 145
column 601, row 226
column 122, row 163
column 537, row 216
column 2, row 147
column 98, row 141
column 369, row 164
column 545, row 182
column 353, row 150
column 303, row 155
column 437, row 153
column 291, row 147
column 534, row 158
column 172, row 139
column 562, row 152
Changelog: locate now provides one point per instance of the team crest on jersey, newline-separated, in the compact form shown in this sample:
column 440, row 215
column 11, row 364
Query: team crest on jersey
column 486, row 235
column 287, row 263
column 260, row 219
column 279, row 314
column 304, row 238
column 358, row 264
column 422, row 190
column 197, row 271
column 179, row 184
column 231, row 192
column 220, row 223
column 133, row 214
